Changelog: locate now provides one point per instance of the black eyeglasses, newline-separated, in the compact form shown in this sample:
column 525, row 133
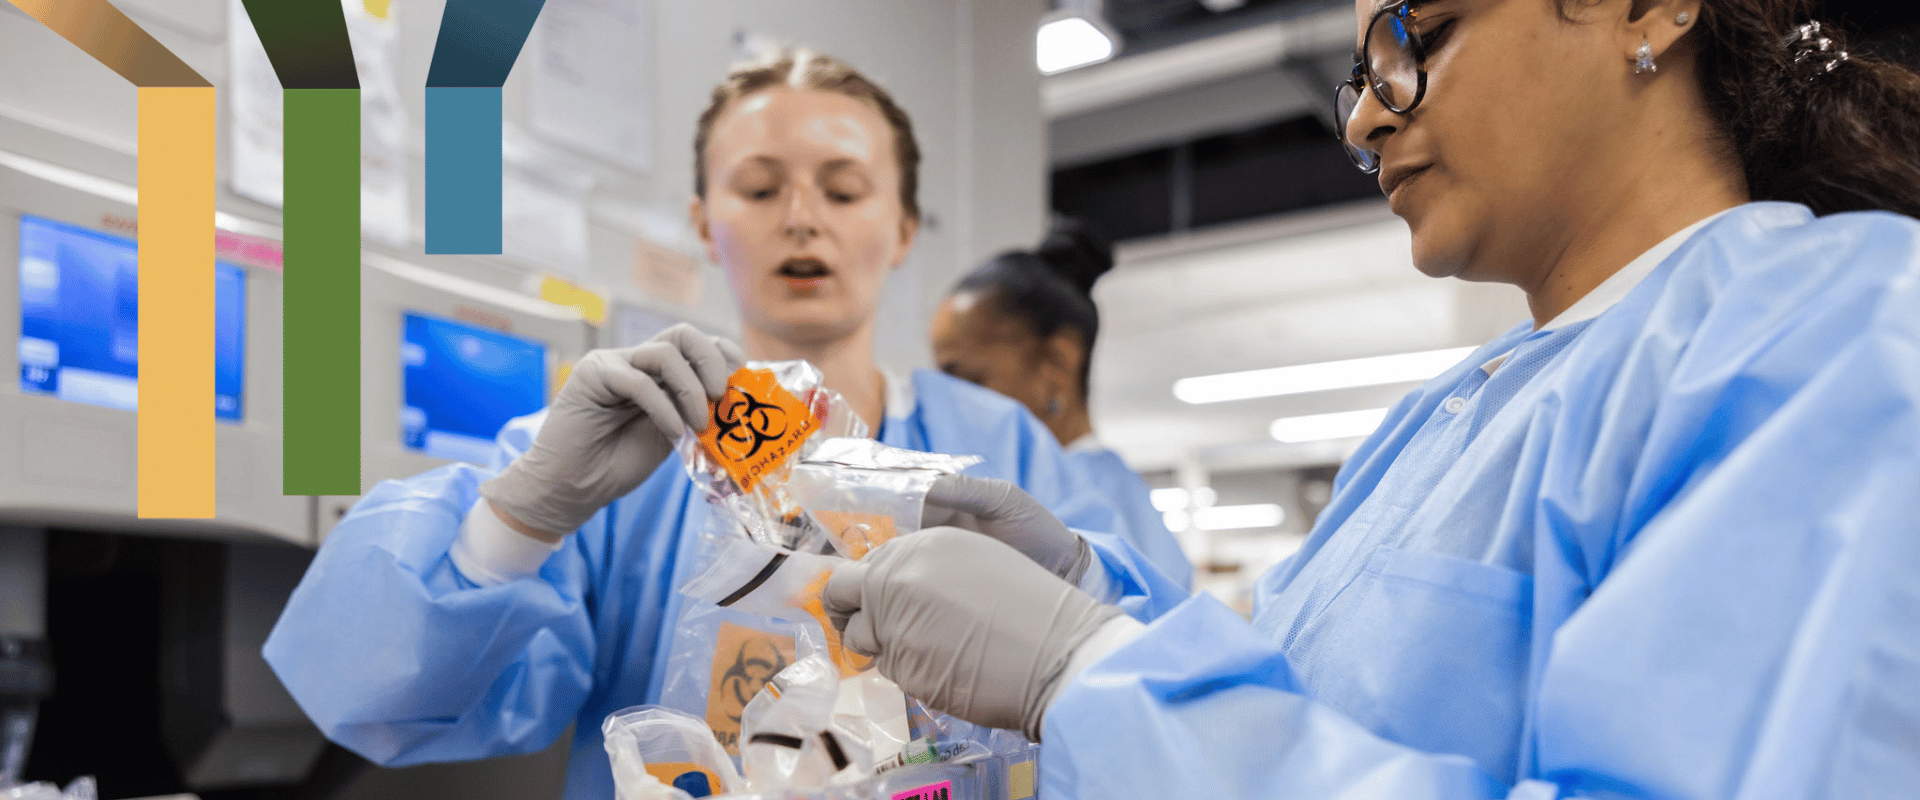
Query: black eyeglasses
column 1392, row 63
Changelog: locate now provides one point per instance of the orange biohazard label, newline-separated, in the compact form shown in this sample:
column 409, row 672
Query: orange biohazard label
column 849, row 662
column 688, row 777
column 859, row 532
column 757, row 426
column 744, row 660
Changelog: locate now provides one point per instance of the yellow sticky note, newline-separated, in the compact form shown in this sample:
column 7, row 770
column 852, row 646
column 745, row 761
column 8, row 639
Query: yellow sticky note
column 1020, row 780
column 562, row 292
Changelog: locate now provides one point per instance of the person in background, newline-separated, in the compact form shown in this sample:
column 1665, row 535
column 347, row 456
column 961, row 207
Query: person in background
column 1024, row 324
column 482, row 610
column 1660, row 540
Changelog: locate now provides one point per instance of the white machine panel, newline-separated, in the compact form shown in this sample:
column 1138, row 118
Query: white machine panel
column 68, row 431
column 444, row 362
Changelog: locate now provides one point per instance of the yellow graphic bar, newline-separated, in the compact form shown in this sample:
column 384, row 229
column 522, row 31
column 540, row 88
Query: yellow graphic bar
column 176, row 142
column 176, row 251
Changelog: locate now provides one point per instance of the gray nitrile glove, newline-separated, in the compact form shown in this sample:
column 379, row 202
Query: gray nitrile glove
column 611, row 425
column 964, row 622
column 1003, row 511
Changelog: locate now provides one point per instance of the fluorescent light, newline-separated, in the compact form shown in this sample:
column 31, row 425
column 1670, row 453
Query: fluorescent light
column 1318, row 377
column 1175, row 499
column 1315, row 427
column 1069, row 42
column 1229, row 518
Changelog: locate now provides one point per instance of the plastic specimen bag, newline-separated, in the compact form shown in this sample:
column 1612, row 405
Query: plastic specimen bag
column 809, row 728
column 765, row 422
column 650, row 746
column 863, row 493
column 790, row 738
column 795, row 489
column 82, row 788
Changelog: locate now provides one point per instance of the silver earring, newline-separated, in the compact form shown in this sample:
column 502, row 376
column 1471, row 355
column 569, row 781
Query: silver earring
column 1643, row 58
column 1681, row 18
column 1053, row 406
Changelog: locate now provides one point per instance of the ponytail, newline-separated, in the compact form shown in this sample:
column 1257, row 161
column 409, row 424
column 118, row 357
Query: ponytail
column 1809, row 122
column 1049, row 289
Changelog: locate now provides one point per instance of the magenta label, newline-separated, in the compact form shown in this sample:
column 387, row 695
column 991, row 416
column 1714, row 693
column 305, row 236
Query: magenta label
column 250, row 250
column 932, row 791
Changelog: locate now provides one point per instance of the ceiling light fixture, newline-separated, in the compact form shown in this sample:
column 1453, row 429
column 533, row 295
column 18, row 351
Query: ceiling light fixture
column 1318, row 427
column 1229, row 518
column 1175, row 498
column 1319, row 377
column 1074, row 36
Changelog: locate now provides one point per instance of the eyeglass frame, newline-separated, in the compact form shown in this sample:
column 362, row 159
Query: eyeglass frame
column 1364, row 79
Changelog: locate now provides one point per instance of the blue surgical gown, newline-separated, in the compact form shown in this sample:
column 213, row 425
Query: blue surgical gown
column 1146, row 530
column 1672, row 551
column 399, row 657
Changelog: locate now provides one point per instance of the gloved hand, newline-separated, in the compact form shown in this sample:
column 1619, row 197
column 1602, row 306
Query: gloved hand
column 965, row 623
column 611, row 425
column 1003, row 511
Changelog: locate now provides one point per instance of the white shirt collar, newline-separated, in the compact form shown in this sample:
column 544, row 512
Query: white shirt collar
column 1616, row 287
column 900, row 397
column 1085, row 444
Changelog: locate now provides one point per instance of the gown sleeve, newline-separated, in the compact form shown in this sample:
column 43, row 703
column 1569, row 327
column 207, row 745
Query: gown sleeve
column 398, row 656
column 962, row 418
column 1145, row 529
column 1760, row 637
column 1128, row 578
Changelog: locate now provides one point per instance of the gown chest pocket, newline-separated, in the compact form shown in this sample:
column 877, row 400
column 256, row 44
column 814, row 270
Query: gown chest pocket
column 1431, row 650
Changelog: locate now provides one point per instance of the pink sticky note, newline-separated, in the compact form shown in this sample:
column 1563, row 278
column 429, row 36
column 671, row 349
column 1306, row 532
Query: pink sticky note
column 932, row 791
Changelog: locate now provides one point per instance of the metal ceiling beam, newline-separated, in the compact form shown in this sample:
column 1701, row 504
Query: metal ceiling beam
column 1256, row 48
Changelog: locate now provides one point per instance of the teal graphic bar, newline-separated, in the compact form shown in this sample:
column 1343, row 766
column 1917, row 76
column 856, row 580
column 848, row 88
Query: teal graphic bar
column 478, row 44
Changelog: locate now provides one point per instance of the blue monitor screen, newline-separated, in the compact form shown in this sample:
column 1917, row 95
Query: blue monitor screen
column 80, row 319
column 462, row 385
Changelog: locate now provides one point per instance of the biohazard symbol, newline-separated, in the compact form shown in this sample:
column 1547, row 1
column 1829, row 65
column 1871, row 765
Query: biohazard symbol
column 754, row 664
column 746, row 424
column 757, row 426
column 744, row 661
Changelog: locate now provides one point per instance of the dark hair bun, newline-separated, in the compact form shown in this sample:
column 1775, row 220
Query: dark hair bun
column 1076, row 251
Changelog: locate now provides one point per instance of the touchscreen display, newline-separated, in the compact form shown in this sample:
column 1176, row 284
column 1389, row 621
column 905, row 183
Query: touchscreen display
column 463, row 383
column 80, row 319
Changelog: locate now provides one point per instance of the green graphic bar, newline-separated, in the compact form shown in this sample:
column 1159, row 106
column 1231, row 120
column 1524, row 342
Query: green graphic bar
column 320, row 353
column 321, row 348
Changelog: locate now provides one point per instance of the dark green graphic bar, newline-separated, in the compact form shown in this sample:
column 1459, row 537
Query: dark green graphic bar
column 307, row 42
column 321, row 348
column 320, row 353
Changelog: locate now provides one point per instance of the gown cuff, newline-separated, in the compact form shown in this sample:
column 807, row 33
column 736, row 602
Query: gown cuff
column 489, row 553
column 1110, row 636
column 1095, row 580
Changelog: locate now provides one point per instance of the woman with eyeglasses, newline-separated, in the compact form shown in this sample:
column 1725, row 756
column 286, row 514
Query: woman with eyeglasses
column 1660, row 540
